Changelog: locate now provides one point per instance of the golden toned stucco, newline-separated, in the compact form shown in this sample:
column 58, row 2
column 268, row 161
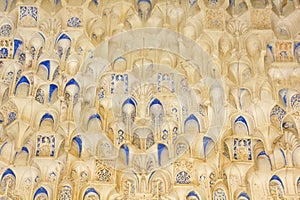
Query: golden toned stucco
column 150, row 99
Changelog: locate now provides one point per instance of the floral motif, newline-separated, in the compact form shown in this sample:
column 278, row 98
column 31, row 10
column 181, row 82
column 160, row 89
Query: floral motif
column 278, row 112
column 5, row 30
column 74, row 22
column 40, row 96
column 295, row 101
column 45, row 145
column 4, row 53
column 242, row 149
column 65, row 193
column 103, row 172
column 220, row 194
column 28, row 11
column 183, row 178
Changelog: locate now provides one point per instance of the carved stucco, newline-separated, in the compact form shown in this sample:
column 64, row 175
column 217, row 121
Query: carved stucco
column 146, row 99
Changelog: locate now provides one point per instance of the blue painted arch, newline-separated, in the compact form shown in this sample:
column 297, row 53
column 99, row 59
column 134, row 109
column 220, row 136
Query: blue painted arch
column 39, row 191
column 46, row 65
column 22, row 80
column 72, row 82
column 193, row 194
column 192, row 117
column 90, row 190
column 52, row 89
column 276, row 178
column 245, row 195
column 161, row 148
column 125, row 148
column 7, row 172
column 63, row 36
column 77, row 139
column 45, row 117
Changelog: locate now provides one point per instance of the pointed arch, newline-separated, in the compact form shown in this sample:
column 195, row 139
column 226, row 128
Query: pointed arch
column 159, row 182
column 21, row 157
column 263, row 154
column 192, row 194
column 52, row 89
column 72, row 91
column 156, row 112
column 42, row 36
column 72, row 82
column 276, row 178
column 155, row 102
column 283, row 95
column 91, row 191
column 208, row 144
column 244, row 97
column 156, row 107
column 36, row 44
column 23, row 80
column 119, row 64
column 25, row 149
column 243, row 121
column 191, row 118
column 94, row 122
column 130, row 101
column 63, row 36
column 46, row 116
column 40, row 191
column 124, row 149
column 276, row 186
column 243, row 195
column 94, row 116
column 129, row 106
column 7, row 172
column 78, row 141
column 44, row 65
column 17, row 44
column 162, row 149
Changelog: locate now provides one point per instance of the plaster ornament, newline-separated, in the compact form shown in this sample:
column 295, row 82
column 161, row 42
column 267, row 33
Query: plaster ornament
column 149, row 99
